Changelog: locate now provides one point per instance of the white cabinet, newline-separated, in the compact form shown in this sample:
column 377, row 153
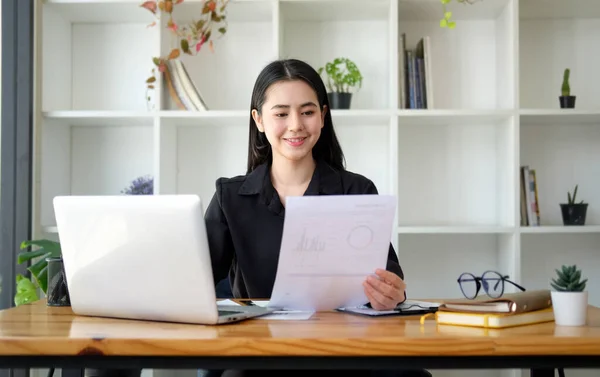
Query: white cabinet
column 454, row 167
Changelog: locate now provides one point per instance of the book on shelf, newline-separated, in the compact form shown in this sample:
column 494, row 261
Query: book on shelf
column 415, row 74
column 530, row 209
column 512, row 309
column 181, row 88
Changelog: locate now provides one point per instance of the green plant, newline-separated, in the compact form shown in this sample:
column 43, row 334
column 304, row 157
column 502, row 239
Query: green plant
column 568, row 280
column 26, row 289
column 571, row 199
column 341, row 80
column 566, row 88
column 446, row 21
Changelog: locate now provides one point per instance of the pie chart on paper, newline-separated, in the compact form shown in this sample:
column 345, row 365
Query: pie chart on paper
column 360, row 237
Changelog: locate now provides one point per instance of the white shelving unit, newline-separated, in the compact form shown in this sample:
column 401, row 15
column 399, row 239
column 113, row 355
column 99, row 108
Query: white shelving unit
column 454, row 168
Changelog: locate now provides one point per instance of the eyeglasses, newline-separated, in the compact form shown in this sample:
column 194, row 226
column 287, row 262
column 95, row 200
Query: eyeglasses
column 492, row 282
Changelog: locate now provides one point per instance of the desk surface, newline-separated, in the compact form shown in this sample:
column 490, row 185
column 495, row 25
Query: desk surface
column 36, row 329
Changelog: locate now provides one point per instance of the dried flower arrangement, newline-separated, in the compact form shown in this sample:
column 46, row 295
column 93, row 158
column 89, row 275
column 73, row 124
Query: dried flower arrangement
column 191, row 36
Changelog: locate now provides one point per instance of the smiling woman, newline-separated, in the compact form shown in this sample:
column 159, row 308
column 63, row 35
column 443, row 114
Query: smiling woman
column 293, row 151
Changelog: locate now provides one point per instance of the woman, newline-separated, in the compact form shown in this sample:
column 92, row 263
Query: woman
column 293, row 151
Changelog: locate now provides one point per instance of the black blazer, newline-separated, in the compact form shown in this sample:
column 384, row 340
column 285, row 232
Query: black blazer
column 244, row 221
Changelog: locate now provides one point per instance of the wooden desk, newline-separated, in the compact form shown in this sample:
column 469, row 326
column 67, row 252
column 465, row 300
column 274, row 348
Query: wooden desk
column 39, row 336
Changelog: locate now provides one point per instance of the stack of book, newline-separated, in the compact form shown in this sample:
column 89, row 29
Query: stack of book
column 415, row 74
column 510, row 310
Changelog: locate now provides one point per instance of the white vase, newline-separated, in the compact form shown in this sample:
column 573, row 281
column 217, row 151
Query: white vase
column 570, row 308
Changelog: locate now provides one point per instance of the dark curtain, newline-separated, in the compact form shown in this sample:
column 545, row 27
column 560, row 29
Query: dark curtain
column 16, row 148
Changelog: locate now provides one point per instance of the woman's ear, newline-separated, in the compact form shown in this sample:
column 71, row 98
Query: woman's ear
column 257, row 120
column 323, row 112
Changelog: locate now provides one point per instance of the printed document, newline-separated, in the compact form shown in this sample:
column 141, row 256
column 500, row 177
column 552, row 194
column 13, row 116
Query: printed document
column 330, row 245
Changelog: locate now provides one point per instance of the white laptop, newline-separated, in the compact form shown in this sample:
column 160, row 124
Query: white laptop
column 141, row 257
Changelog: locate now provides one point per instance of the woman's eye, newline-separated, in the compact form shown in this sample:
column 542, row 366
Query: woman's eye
column 310, row 112
column 280, row 115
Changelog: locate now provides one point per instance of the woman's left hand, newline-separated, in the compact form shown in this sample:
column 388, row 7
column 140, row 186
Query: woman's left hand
column 385, row 292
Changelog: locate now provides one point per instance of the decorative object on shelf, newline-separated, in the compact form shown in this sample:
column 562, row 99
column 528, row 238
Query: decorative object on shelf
column 190, row 38
column 446, row 22
column 569, row 300
column 182, row 89
column 573, row 213
column 47, row 272
column 140, row 186
column 340, row 82
column 567, row 101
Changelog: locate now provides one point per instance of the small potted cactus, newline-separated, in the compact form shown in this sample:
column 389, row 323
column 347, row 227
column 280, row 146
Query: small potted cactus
column 573, row 213
column 569, row 298
column 567, row 101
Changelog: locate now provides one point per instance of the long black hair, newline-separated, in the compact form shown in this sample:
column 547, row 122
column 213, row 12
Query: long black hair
column 327, row 148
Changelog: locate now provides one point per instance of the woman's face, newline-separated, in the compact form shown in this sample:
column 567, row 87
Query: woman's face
column 291, row 119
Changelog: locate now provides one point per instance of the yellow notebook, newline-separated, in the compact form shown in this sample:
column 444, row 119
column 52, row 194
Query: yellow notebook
column 492, row 320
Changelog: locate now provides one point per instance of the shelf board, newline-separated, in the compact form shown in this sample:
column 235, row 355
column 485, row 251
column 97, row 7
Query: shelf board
column 107, row 11
column 554, row 116
column 475, row 229
column 129, row 11
column 451, row 117
column 50, row 229
column 341, row 118
column 471, row 229
column 237, row 10
column 431, row 10
column 204, row 118
column 100, row 118
column 555, row 229
column 334, row 10
column 552, row 9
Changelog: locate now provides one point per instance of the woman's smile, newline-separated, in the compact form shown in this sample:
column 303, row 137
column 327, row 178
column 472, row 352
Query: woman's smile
column 295, row 141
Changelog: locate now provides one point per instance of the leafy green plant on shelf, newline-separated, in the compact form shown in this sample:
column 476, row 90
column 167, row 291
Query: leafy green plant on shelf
column 343, row 76
column 447, row 22
column 43, row 249
column 190, row 37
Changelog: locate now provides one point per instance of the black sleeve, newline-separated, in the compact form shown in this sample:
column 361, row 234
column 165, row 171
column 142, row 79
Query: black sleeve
column 393, row 264
column 219, row 237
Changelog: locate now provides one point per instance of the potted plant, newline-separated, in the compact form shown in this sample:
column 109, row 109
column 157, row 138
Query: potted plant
column 569, row 298
column 573, row 213
column 567, row 101
column 340, row 81
column 48, row 273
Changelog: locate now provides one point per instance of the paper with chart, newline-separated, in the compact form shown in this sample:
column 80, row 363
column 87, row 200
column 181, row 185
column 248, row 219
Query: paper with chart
column 330, row 245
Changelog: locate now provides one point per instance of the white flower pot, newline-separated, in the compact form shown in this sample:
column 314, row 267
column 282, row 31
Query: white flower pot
column 570, row 308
